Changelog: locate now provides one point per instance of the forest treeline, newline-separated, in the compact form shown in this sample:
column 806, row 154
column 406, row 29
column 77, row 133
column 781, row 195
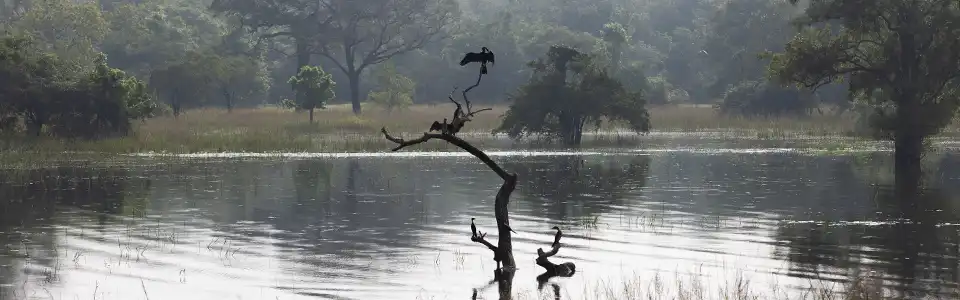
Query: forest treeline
column 242, row 53
column 90, row 68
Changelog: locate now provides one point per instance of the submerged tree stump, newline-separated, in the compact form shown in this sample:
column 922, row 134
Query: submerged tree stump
column 551, row 270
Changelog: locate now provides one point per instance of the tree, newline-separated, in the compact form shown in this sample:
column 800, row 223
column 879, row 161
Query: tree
column 29, row 75
column 761, row 98
column 314, row 86
column 365, row 33
column 301, row 21
column 40, row 92
column 69, row 29
column 552, row 104
column 185, row 83
column 148, row 35
column 739, row 31
column 898, row 53
column 102, row 104
column 238, row 78
column 394, row 90
column 503, row 251
column 616, row 38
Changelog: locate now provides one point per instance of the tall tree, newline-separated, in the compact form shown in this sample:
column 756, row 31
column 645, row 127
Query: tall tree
column 898, row 53
column 364, row 33
column 739, row 31
column 238, row 78
column 299, row 20
column 185, row 83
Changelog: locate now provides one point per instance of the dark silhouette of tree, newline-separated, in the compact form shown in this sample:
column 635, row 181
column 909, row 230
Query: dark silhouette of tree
column 503, row 251
column 899, row 56
column 559, row 105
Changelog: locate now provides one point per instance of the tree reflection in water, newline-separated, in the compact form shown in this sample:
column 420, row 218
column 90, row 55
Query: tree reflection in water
column 911, row 244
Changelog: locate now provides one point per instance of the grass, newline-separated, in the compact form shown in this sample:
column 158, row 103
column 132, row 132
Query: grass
column 740, row 287
column 336, row 129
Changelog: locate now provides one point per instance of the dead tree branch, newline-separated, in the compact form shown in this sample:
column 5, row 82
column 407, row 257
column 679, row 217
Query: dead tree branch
column 503, row 251
column 566, row 269
column 456, row 141
column 459, row 116
column 467, row 101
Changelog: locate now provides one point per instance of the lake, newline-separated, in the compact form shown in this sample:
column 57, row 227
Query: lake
column 365, row 226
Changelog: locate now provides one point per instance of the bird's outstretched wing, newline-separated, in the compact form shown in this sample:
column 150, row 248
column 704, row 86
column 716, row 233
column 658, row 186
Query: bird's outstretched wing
column 491, row 56
column 436, row 126
column 467, row 58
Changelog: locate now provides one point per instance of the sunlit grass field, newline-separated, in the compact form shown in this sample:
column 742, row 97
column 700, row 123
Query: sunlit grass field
column 270, row 129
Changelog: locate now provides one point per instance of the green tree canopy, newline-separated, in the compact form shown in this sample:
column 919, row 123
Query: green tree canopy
column 37, row 92
column 315, row 86
column 553, row 104
column 395, row 90
column 69, row 29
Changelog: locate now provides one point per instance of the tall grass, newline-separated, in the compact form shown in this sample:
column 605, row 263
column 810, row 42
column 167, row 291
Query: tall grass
column 738, row 286
column 337, row 129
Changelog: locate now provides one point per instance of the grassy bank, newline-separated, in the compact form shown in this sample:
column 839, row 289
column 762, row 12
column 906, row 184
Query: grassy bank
column 337, row 129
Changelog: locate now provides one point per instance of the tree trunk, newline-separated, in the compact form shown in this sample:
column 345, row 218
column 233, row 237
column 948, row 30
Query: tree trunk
column 501, row 212
column 908, row 149
column 354, row 77
column 571, row 129
column 578, row 138
column 175, row 105
column 303, row 52
column 311, row 115
column 36, row 126
column 303, row 59
column 908, row 142
column 227, row 98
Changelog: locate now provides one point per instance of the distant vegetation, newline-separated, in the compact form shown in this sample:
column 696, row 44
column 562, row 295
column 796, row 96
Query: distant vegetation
column 568, row 90
column 90, row 70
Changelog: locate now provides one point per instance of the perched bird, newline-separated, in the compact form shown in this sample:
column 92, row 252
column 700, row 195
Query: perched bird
column 441, row 127
column 450, row 128
column 473, row 227
column 483, row 57
column 436, row 126
column 556, row 238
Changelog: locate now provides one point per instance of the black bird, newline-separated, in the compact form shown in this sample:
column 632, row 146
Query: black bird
column 451, row 128
column 483, row 57
column 556, row 238
column 473, row 227
column 441, row 127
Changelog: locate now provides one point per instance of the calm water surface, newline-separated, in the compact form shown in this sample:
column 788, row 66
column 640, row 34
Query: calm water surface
column 367, row 227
